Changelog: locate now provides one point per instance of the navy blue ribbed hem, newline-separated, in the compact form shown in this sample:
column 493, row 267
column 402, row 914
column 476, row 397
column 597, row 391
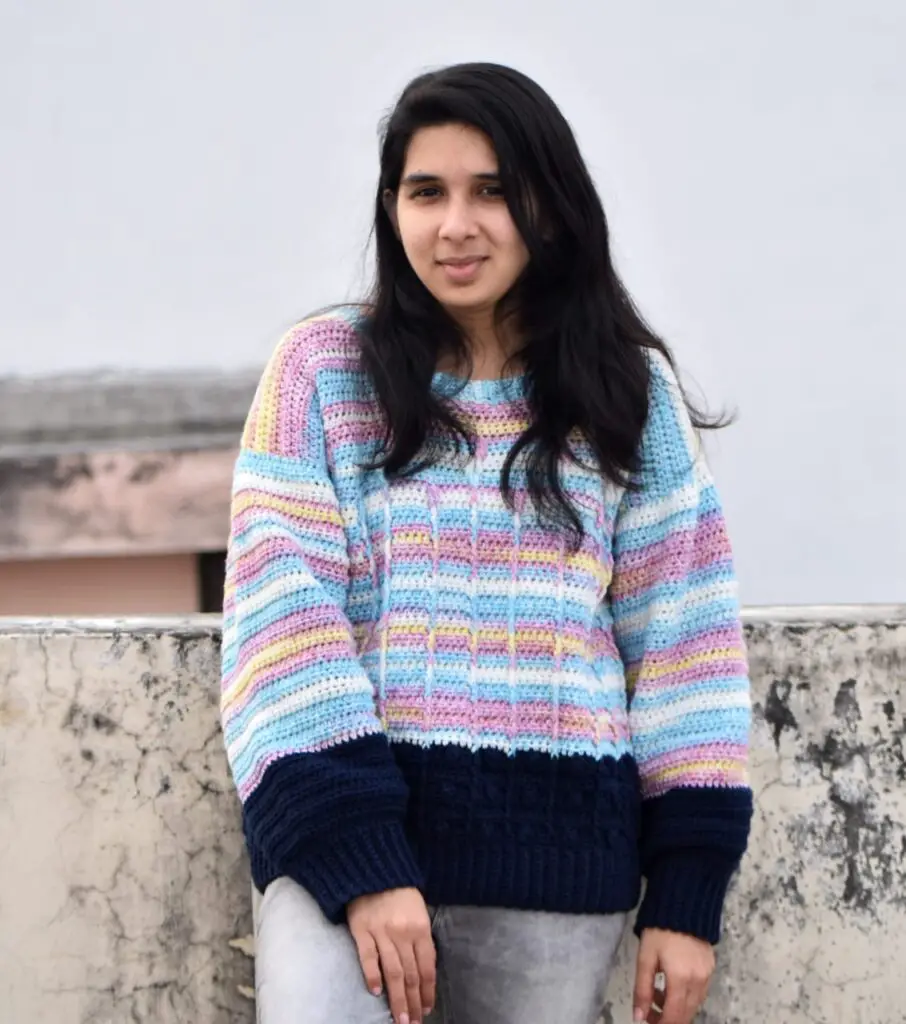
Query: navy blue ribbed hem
column 484, row 828
column 526, row 877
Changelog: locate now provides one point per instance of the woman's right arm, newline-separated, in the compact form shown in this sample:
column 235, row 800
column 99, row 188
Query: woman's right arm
column 323, row 800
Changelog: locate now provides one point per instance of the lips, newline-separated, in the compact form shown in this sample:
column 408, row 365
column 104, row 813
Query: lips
column 462, row 270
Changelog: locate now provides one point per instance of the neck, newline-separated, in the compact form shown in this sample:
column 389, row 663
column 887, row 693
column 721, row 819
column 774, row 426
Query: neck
column 491, row 346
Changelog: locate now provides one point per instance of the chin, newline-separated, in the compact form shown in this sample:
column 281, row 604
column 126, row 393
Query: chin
column 464, row 300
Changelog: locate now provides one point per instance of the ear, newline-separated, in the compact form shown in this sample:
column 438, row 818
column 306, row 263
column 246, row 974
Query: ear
column 389, row 200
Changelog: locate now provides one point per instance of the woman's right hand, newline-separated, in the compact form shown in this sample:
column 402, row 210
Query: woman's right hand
column 392, row 931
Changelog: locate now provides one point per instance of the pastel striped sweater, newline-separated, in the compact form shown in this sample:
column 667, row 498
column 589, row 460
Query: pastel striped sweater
column 422, row 687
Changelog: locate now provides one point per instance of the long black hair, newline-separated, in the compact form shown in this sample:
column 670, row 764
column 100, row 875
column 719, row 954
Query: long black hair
column 582, row 340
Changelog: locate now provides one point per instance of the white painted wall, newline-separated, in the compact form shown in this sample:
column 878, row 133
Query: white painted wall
column 181, row 179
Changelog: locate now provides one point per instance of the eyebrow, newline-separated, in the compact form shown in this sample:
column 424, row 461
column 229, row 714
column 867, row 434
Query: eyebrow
column 424, row 179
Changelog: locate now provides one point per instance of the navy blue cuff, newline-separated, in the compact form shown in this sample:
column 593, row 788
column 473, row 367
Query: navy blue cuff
column 366, row 860
column 685, row 893
column 333, row 821
column 692, row 841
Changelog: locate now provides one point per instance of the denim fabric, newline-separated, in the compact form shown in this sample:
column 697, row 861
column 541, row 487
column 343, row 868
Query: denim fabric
column 495, row 966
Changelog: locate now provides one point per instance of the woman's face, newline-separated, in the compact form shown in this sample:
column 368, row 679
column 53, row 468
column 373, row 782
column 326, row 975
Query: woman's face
column 454, row 222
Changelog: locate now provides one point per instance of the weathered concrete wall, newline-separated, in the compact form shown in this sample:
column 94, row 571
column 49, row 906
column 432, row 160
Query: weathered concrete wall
column 110, row 502
column 123, row 885
column 122, row 873
column 118, row 464
column 815, row 927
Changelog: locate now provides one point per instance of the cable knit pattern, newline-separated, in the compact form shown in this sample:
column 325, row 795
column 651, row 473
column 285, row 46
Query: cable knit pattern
column 422, row 686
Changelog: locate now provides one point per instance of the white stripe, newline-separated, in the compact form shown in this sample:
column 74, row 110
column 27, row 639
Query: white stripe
column 668, row 614
column 447, row 676
column 451, row 583
column 295, row 490
column 645, row 720
column 294, row 703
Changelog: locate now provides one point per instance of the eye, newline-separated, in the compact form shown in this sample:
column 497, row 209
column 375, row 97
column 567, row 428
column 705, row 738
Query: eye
column 493, row 191
column 427, row 192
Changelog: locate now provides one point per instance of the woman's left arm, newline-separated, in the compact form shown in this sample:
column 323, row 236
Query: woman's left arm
column 677, row 624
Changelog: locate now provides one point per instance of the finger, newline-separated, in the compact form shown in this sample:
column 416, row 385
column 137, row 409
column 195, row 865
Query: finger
column 657, row 1001
column 368, row 958
column 412, row 982
column 645, row 970
column 698, row 991
column 426, row 956
column 676, row 1003
column 392, row 970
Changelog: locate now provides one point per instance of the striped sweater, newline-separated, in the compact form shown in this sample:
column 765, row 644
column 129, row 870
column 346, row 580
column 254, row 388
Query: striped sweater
column 424, row 687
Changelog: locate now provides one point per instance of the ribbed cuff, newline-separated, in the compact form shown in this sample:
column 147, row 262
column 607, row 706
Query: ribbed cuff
column 685, row 893
column 358, row 862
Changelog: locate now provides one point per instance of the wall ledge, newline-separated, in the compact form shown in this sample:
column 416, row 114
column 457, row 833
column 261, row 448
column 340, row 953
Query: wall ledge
column 211, row 624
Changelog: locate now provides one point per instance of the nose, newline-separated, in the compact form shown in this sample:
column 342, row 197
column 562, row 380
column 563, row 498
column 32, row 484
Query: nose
column 458, row 223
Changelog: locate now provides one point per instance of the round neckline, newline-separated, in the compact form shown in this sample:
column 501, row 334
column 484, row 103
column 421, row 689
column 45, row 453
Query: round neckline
column 481, row 389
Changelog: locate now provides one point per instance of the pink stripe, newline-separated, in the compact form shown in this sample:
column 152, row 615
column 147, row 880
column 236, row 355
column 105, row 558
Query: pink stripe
column 453, row 711
column 704, row 752
column 318, row 515
column 250, row 564
column 295, row 625
column 671, row 561
column 724, row 668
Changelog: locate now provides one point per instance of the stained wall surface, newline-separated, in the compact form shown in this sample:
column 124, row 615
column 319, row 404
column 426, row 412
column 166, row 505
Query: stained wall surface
column 124, row 891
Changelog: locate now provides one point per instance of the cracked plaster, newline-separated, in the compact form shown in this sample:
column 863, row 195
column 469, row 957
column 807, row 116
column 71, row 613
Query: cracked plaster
column 124, row 890
column 122, row 870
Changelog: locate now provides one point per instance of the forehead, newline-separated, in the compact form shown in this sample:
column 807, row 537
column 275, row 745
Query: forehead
column 450, row 149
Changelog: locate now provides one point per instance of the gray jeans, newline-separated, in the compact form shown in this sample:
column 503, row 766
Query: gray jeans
column 494, row 966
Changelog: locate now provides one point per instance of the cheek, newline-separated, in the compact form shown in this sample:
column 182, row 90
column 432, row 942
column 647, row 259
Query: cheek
column 510, row 242
column 417, row 238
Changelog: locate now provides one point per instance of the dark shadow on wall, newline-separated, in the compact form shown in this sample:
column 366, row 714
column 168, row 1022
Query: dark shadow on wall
column 211, row 571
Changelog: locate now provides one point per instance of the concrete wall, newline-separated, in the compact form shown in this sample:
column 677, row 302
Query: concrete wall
column 122, row 873
column 123, row 885
column 181, row 180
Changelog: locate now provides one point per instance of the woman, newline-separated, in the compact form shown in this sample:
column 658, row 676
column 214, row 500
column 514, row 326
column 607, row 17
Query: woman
column 483, row 665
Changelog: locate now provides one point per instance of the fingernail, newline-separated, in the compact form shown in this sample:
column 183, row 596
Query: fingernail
column 638, row 1014
column 376, row 991
column 404, row 1018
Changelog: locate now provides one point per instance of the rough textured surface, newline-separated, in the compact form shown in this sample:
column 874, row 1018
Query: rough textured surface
column 98, row 408
column 122, row 871
column 134, row 502
column 123, row 886
column 118, row 464
column 815, row 926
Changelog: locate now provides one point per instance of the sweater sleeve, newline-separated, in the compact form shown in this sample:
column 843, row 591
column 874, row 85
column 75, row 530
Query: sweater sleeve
column 323, row 800
column 677, row 626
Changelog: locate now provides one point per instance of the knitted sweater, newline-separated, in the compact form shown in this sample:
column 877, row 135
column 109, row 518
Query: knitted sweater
column 423, row 687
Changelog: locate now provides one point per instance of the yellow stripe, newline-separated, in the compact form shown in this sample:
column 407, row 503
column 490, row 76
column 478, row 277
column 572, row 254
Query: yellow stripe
column 706, row 657
column 277, row 652
column 267, row 402
column 499, row 428
column 412, row 536
column 731, row 769
column 296, row 509
column 492, row 634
